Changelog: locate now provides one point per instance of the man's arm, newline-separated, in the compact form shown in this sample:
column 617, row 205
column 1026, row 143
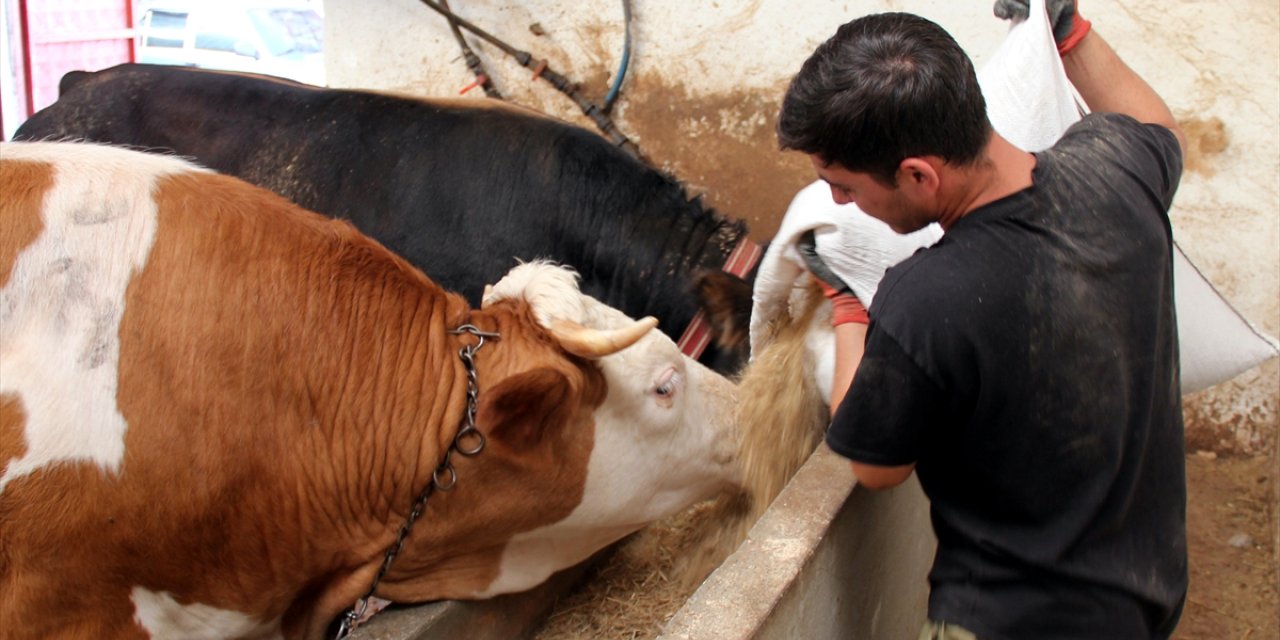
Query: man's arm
column 877, row 477
column 850, row 339
column 1108, row 84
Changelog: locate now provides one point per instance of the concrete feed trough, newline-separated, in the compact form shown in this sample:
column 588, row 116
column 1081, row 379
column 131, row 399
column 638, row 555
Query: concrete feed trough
column 826, row 560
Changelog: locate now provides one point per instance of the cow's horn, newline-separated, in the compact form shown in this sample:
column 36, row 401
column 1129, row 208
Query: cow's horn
column 597, row 343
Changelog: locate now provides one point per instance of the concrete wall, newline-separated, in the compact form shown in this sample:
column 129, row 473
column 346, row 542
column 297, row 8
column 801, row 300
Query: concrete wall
column 706, row 79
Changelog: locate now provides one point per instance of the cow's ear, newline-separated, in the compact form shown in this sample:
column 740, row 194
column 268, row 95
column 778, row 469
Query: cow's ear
column 726, row 299
column 526, row 407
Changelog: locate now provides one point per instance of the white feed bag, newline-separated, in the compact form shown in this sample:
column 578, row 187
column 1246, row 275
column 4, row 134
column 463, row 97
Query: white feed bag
column 1215, row 342
column 1031, row 103
column 857, row 247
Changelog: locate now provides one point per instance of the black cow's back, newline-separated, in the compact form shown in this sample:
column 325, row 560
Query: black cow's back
column 462, row 189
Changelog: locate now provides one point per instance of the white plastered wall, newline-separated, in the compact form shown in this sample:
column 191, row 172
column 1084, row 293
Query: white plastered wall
column 705, row 80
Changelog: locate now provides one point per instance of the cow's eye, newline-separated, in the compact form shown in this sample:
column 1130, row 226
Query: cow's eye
column 668, row 384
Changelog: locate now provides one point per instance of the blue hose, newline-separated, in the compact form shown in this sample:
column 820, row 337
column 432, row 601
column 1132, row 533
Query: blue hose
column 626, row 58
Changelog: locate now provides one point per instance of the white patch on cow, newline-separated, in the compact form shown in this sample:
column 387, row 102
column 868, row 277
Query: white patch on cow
column 164, row 617
column 663, row 440
column 61, row 309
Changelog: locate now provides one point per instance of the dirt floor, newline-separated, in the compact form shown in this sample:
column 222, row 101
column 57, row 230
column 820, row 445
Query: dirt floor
column 1233, row 530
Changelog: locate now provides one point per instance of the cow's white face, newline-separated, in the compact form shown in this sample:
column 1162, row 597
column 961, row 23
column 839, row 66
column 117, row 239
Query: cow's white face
column 664, row 438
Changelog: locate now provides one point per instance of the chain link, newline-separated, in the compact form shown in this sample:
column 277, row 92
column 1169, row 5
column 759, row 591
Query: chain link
column 468, row 431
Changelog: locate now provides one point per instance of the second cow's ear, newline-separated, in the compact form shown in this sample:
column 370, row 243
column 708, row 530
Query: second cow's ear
column 726, row 299
column 527, row 407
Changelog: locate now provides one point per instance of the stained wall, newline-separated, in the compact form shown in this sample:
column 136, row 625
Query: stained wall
column 705, row 79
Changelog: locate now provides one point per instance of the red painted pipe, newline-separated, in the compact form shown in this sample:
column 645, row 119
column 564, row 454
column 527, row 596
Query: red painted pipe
column 28, row 83
column 133, row 42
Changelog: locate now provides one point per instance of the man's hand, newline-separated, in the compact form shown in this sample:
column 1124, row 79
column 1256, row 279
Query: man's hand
column 845, row 307
column 1068, row 27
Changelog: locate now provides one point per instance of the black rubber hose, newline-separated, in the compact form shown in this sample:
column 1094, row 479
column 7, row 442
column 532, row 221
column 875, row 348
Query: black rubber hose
column 473, row 61
column 542, row 70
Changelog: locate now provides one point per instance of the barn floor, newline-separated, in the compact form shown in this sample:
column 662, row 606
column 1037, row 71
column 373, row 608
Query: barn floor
column 1234, row 580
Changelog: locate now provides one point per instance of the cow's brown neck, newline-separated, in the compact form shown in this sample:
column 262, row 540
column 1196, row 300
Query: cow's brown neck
column 468, row 441
column 345, row 398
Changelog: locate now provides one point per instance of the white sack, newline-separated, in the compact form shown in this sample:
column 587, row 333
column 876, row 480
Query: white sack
column 857, row 247
column 1216, row 342
column 1031, row 103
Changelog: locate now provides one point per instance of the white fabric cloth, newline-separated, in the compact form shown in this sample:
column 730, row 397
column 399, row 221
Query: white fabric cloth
column 1031, row 103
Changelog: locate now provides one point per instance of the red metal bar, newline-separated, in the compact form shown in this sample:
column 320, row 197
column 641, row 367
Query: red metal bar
column 25, row 23
column 133, row 40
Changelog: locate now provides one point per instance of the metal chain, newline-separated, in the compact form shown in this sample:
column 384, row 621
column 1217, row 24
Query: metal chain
column 468, row 431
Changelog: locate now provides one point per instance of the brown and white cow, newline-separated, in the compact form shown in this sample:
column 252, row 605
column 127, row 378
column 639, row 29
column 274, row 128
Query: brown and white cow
column 217, row 409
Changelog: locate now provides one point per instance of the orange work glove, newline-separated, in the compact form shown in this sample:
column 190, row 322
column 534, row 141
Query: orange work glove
column 1069, row 28
column 845, row 307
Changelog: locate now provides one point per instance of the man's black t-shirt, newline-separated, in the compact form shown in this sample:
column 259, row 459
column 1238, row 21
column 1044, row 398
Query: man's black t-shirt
column 1028, row 364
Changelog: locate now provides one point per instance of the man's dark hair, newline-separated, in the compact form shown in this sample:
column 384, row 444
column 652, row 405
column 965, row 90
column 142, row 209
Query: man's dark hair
column 886, row 87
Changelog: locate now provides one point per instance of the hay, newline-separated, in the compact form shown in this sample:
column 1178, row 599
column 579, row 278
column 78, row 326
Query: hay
column 781, row 416
column 633, row 593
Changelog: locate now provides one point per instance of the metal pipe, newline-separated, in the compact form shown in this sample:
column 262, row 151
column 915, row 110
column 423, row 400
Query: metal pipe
column 544, row 71
column 24, row 22
column 473, row 61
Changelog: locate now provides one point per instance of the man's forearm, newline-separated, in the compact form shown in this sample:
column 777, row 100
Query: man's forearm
column 874, row 476
column 849, row 344
column 1108, row 84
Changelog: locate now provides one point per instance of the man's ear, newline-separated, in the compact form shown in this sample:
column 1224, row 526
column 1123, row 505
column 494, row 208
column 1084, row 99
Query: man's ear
column 919, row 174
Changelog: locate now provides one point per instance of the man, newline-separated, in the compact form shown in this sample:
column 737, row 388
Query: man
column 1026, row 365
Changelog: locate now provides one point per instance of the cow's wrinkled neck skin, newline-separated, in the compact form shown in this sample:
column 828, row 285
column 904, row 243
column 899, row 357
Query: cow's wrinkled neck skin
column 349, row 450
